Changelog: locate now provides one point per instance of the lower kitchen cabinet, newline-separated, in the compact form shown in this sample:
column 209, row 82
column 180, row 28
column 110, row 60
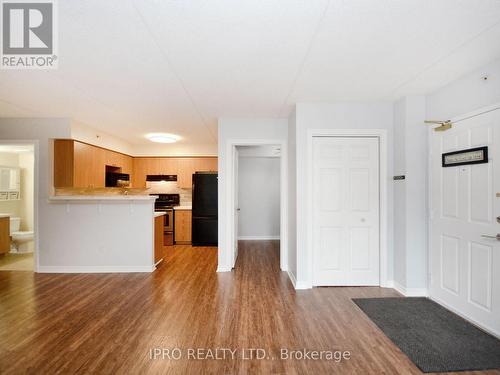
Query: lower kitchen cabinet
column 4, row 235
column 182, row 226
column 160, row 252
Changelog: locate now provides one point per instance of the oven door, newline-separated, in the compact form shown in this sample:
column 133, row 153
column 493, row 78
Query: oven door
column 168, row 237
column 169, row 221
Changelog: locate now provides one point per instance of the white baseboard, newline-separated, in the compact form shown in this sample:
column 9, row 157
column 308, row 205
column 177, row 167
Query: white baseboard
column 95, row 269
column 409, row 292
column 388, row 284
column 224, row 269
column 258, row 238
column 292, row 278
column 298, row 285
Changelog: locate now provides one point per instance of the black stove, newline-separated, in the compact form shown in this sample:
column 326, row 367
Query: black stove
column 166, row 202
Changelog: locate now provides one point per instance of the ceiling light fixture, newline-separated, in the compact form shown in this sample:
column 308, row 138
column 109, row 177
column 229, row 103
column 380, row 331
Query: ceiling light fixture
column 163, row 137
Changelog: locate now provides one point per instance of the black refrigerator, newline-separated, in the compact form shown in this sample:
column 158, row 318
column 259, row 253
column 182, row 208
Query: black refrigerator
column 204, row 226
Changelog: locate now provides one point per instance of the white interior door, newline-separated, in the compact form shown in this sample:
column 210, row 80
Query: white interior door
column 346, row 210
column 236, row 159
column 465, row 267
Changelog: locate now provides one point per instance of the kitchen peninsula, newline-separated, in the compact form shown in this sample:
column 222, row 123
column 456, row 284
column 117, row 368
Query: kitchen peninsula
column 103, row 233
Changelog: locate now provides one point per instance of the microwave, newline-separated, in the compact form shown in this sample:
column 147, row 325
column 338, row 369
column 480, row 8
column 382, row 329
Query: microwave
column 114, row 179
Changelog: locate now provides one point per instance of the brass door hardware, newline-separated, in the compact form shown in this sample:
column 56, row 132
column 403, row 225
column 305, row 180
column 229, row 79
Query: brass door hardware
column 443, row 125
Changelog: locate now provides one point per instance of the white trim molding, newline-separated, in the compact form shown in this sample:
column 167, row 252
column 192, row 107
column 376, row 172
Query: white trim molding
column 226, row 252
column 36, row 192
column 409, row 292
column 258, row 238
column 298, row 285
column 381, row 134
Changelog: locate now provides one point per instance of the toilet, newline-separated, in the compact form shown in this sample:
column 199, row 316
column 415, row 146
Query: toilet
column 22, row 242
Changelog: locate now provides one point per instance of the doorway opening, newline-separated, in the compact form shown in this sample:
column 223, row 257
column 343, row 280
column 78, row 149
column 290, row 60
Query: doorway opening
column 17, row 207
column 257, row 197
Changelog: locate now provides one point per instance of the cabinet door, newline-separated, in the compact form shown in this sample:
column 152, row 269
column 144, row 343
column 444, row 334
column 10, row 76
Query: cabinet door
column 139, row 173
column 185, row 170
column 4, row 235
column 82, row 169
column 168, row 165
column 205, row 164
column 115, row 159
column 182, row 226
column 98, row 167
column 89, row 166
column 64, row 164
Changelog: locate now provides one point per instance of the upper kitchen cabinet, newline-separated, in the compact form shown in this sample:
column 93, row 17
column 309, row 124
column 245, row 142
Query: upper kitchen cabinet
column 152, row 166
column 188, row 166
column 115, row 159
column 182, row 167
column 78, row 164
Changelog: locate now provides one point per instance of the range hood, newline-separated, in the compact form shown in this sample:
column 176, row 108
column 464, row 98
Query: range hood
column 161, row 177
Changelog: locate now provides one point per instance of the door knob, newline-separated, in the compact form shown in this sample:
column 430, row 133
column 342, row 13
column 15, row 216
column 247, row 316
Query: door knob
column 498, row 219
column 497, row 237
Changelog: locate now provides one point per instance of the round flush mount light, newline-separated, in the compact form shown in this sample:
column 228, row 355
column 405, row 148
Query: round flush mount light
column 163, row 137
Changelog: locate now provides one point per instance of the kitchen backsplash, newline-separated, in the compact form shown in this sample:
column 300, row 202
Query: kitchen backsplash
column 170, row 187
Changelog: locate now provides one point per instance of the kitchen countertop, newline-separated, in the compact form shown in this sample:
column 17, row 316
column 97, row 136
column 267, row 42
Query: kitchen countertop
column 158, row 214
column 64, row 198
column 183, row 208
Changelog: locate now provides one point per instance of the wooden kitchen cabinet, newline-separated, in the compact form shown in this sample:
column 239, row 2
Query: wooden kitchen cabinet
column 188, row 166
column 89, row 166
column 185, row 170
column 4, row 235
column 77, row 164
column 159, row 250
column 147, row 166
column 182, row 226
column 182, row 167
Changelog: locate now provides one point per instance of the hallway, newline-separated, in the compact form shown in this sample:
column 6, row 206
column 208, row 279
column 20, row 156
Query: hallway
column 109, row 323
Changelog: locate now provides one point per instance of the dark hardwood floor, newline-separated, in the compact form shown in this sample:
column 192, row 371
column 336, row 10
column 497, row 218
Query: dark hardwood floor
column 108, row 323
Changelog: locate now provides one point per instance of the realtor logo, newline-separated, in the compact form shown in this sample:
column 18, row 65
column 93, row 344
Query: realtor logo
column 28, row 34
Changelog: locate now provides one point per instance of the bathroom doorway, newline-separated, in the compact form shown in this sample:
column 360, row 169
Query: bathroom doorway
column 17, row 206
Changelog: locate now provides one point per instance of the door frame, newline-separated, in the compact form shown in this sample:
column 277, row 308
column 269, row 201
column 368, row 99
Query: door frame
column 381, row 134
column 36, row 152
column 230, row 194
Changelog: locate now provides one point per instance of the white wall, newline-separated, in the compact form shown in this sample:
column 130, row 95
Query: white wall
column 374, row 115
column 244, row 130
column 27, row 165
column 99, row 236
column 41, row 131
column 410, row 195
column 87, row 134
column 466, row 94
column 259, row 197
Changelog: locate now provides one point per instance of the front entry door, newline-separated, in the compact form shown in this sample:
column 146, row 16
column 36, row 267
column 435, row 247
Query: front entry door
column 465, row 265
column 346, row 211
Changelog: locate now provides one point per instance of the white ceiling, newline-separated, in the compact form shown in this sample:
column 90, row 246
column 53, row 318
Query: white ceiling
column 129, row 67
